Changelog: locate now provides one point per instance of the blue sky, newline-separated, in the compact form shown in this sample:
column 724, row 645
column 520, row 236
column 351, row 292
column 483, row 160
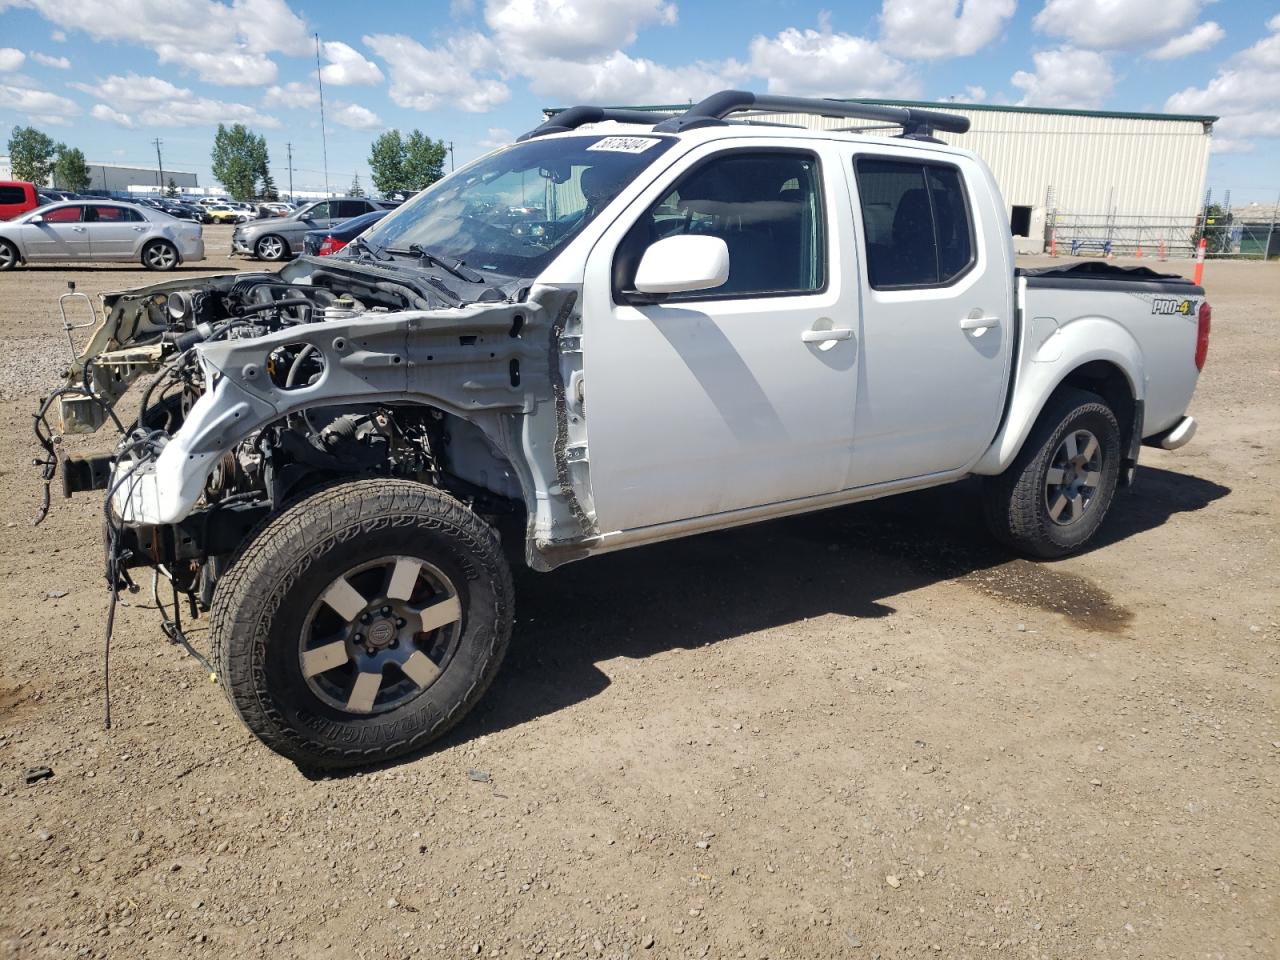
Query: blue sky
column 108, row 76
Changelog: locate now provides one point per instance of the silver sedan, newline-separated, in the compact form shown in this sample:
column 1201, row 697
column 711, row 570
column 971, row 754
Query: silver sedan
column 100, row 230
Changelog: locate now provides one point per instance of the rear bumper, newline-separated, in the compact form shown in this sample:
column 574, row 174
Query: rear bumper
column 1179, row 435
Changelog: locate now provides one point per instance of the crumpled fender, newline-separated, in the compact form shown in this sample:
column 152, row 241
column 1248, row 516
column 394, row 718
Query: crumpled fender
column 491, row 364
column 1042, row 368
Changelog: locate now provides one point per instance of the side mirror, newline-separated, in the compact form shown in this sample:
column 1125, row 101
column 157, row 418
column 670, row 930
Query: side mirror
column 682, row 264
column 36, row 218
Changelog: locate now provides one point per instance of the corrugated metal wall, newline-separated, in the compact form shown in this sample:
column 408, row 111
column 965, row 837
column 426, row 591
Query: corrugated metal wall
column 1095, row 165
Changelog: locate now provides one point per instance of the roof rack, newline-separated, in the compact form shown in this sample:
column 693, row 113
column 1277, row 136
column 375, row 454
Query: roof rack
column 575, row 117
column 916, row 123
column 713, row 110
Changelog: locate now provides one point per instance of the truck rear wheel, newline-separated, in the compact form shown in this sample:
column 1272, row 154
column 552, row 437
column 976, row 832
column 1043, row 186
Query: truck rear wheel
column 362, row 622
column 1054, row 496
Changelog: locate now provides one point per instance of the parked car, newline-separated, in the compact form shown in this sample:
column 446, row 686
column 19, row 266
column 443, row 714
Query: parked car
column 273, row 209
column 100, row 230
column 716, row 324
column 224, row 213
column 187, row 211
column 16, row 198
column 279, row 239
column 322, row 243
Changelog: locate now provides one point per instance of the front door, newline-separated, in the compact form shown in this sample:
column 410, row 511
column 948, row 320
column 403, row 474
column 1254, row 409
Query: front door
column 729, row 398
column 59, row 236
column 937, row 314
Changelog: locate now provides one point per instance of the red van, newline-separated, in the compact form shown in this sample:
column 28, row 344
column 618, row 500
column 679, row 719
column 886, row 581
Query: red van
column 16, row 198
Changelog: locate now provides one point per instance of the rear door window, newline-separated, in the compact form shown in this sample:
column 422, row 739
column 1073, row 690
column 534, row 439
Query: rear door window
column 916, row 220
column 13, row 195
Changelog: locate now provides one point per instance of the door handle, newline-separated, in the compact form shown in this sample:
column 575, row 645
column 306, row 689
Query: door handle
column 979, row 323
column 78, row 229
column 825, row 336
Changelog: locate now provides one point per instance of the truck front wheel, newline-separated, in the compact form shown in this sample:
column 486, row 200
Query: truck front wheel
column 362, row 622
column 1054, row 496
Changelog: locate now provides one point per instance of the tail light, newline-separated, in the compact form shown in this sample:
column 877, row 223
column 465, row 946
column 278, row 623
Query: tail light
column 333, row 245
column 1202, row 334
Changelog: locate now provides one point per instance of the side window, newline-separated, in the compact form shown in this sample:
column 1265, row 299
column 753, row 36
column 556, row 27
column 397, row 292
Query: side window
column 107, row 214
column 319, row 212
column 916, row 220
column 348, row 208
column 13, row 195
column 62, row 215
column 766, row 206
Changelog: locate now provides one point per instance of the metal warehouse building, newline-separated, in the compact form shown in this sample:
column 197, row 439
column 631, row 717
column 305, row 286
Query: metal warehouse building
column 1101, row 181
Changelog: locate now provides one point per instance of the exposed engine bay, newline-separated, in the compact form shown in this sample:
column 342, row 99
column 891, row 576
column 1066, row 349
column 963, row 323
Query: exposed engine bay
column 264, row 387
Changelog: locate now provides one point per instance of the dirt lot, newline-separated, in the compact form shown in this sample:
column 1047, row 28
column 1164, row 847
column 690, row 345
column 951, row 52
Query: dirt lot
column 861, row 733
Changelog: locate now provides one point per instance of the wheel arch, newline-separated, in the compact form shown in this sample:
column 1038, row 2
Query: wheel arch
column 1093, row 353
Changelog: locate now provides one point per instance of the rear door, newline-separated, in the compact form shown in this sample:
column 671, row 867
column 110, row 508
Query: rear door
column 114, row 231
column 936, row 276
column 59, row 236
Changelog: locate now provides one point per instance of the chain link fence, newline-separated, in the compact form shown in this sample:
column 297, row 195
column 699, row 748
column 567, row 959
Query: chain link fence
column 1246, row 235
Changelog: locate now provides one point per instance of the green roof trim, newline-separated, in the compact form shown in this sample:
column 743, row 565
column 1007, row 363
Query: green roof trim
column 952, row 105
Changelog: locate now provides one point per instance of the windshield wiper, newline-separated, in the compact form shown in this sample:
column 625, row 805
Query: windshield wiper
column 457, row 268
column 362, row 245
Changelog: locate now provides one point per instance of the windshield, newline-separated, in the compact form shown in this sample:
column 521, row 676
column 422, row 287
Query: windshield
column 513, row 211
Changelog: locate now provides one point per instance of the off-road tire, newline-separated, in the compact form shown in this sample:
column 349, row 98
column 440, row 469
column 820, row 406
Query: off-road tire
column 9, row 257
column 1015, row 501
column 260, row 603
column 264, row 248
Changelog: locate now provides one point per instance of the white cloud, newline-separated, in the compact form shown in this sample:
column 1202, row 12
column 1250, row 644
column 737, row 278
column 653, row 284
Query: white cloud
column 1245, row 93
column 293, row 94
column 230, row 67
column 101, row 111
column 11, row 59
column 621, row 79
column 572, row 29
column 495, row 137
column 58, row 63
column 1229, row 145
column 37, row 104
column 462, row 72
column 356, row 117
column 1200, row 38
column 194, row 33
column 824, row 63
column 931, row 29
column 58, row 36
column 151, row 101
column 1066, row 77
column 1113, row 24
column 347, row 67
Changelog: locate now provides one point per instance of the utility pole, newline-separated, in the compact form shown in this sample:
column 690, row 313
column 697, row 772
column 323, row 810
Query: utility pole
column 289, row 147
column 451, row 168
column 159, row 164
column 324, row 141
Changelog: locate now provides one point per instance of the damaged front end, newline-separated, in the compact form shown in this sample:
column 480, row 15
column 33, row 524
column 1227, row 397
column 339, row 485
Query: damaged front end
column 264, row 387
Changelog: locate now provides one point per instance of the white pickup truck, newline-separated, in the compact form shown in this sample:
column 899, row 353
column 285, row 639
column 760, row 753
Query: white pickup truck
column 622, row 329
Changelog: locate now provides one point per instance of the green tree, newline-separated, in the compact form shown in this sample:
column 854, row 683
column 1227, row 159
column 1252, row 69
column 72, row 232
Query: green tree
column 424, row 160
column 31, row 154
column 386, row 162
column 356, row 189
column 405, row 163
column 171, row 191
column 269, row 191
column 70, row 172
column 239, row 159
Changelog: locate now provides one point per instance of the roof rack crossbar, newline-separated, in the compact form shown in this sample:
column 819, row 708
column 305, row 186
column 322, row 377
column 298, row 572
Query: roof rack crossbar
column 574, row 117
column 713, row 110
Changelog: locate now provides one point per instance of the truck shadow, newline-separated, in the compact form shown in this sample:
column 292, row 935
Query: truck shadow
column 703, row 590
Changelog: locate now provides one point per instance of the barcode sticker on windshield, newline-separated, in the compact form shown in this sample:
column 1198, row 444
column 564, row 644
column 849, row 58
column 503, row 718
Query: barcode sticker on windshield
column 624, row 144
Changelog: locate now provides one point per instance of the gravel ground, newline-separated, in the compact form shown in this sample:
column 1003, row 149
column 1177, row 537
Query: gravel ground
column 860, row 733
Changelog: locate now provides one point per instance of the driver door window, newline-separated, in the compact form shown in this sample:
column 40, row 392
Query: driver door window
column 319, row 213
column 767, row 208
